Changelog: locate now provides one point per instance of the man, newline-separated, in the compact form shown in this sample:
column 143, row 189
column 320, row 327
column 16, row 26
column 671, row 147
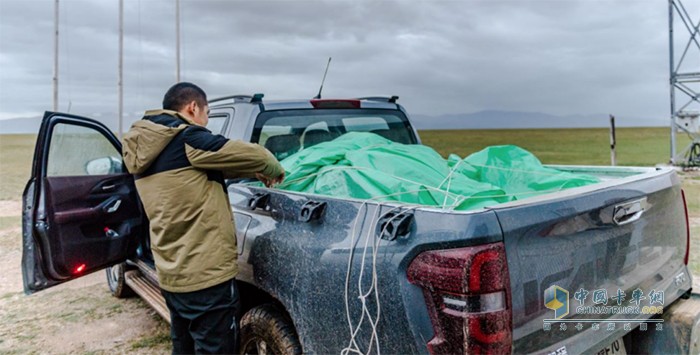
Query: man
column 179, row 168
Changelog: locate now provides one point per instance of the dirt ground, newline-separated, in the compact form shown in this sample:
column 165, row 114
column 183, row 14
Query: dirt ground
column 79, row 317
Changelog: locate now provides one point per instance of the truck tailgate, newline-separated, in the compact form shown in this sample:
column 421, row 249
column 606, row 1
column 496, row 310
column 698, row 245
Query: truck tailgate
column 624, row 236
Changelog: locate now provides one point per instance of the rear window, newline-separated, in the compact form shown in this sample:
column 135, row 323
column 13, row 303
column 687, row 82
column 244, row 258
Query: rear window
column 285, row 132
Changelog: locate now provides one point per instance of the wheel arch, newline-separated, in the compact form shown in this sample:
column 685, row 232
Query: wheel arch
column 253, row 296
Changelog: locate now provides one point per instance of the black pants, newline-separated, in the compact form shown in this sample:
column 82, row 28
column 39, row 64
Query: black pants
column 204, row 321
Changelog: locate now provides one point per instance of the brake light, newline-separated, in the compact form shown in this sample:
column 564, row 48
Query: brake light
column 467, row 291
column 333, row 103
column 687, row 228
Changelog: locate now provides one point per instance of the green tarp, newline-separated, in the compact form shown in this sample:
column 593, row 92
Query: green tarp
column 368, row 166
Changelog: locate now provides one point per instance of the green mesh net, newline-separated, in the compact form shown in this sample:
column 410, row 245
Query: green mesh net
column 367, row 166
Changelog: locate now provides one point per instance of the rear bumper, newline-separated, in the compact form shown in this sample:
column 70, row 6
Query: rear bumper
column 681, row 331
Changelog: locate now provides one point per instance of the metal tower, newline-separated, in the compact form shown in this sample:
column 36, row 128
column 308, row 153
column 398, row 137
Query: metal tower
column 684, row 82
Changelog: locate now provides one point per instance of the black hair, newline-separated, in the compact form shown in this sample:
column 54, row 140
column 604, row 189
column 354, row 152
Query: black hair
column 182, row 94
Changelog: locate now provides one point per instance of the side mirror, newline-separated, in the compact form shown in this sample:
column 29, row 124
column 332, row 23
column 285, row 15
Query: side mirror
column 103, row 166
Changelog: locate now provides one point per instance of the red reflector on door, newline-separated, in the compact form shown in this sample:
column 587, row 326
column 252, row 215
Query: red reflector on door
column 79, row 269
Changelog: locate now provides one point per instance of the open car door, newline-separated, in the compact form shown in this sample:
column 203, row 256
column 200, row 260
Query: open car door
column 81, row 212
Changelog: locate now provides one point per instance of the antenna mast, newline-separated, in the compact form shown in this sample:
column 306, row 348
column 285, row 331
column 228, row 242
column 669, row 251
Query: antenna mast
column 177, row 41
column 324, row 79
column 55, row 59
column 120, row 82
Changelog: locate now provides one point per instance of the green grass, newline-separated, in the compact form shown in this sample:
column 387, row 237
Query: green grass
column 692, row 196
column 163, row 338
column 585, row 146
column 590, row 146
column 16, row 154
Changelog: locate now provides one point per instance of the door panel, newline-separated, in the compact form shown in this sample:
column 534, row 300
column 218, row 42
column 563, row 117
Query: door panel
column 87, row 222
column 84, row 210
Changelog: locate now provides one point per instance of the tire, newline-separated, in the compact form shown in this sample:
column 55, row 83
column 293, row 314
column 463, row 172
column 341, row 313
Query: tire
column 117, row 282
column 267, row 330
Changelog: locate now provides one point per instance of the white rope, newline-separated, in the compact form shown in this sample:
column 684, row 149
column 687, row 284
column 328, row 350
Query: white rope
column 353, row 346
column 518, row 170
column 439, row 186
column 464, row 198
column 449, row 176
column 364, row 168
column 457, row 198
column 363, row 295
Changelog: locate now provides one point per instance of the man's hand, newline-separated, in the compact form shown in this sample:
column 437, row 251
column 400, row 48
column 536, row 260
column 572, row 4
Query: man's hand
column 278, row 180
column 263, row 178
column 268, row 181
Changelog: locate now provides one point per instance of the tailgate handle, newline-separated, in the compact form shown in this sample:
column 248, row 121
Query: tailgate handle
column 629, row 212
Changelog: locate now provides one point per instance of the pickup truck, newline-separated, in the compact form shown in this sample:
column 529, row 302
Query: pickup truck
column 593, row 269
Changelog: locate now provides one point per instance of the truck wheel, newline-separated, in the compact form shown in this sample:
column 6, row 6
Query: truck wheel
column 117, row 282
column 267, row 330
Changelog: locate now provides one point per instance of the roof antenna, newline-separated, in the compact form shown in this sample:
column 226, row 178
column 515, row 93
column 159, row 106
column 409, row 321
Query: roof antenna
column 324, row 79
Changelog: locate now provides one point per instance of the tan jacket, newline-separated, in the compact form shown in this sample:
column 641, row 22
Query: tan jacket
column 179, row 170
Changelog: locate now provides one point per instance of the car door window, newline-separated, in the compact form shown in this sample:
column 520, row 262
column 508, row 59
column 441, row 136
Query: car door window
column 76, row 151
column 217, row 123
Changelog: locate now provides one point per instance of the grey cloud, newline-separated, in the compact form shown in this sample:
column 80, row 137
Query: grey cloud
column 559, row 57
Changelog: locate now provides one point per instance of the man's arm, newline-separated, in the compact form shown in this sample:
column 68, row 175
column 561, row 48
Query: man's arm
column 236, row 159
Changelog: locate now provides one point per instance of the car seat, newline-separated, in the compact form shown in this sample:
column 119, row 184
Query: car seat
column 283, row 145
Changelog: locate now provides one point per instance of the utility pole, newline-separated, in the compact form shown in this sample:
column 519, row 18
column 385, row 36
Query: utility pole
column 55, row 59
column 177, row 41
column 120, row 83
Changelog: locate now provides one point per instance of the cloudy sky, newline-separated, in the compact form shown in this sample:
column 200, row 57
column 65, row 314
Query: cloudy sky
column 441, row 57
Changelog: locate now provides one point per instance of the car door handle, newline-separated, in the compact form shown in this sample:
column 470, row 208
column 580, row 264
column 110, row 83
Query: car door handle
column 108, row 206
column 108, row 187
column 629, row 212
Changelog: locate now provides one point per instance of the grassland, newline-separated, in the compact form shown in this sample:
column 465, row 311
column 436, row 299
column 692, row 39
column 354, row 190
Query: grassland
column 589, row 146
column 16, row 152
column 20, row 331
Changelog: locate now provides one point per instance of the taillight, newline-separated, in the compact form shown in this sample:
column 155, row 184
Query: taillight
column 467, row 291
column 687, row 227
column 334, row 103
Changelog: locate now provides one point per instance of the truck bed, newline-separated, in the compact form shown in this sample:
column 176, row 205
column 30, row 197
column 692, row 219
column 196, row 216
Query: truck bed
column 569, row 239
